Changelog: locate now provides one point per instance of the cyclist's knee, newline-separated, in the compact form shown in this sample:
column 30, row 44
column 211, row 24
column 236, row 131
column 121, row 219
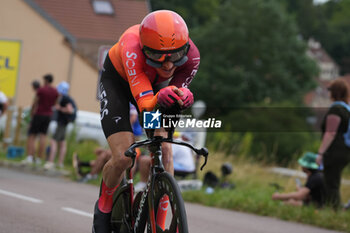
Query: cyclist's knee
column 119, row 143
column 119, row 160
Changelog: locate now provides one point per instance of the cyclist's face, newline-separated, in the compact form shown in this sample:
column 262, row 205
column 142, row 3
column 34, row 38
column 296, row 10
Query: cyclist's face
column 167, row 69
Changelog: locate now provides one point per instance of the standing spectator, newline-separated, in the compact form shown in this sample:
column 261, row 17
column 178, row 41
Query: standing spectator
column 35, row 85
column 41, row 113
column 333, row 151
column 66, row 111
column 3, row 103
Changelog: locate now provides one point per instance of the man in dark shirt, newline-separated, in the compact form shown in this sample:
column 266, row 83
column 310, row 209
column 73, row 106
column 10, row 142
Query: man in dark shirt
column 41, row 113
column 66, row 109
column 314, row 190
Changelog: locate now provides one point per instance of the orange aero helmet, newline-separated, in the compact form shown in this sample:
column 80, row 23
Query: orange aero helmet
column 164, row 35
column 163, row 30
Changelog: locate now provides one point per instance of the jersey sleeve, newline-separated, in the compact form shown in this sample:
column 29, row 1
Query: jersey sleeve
column 133, row 63
column 184, row 75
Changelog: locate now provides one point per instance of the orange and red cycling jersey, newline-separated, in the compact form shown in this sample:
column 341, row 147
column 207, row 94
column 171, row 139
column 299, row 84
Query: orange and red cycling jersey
column 129, row 61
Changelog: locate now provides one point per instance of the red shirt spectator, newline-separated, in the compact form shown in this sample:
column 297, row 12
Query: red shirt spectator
column 47, row 96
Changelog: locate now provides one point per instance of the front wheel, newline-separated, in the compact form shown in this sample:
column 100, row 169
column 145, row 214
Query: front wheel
column 169, row 208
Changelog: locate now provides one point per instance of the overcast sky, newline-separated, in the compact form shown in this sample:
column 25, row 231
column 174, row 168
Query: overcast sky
column 320, row 1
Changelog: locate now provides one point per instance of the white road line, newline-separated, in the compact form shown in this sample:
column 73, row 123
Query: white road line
column 78, row 212
column 19, row 196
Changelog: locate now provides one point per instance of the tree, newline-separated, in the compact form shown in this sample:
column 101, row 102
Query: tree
column 306, row 15
column 339, row 43
column 251, row 53
column 328, row 23
column 194, row 12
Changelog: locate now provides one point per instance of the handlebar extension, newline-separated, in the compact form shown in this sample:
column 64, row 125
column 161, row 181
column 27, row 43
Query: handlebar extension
column 131, row 153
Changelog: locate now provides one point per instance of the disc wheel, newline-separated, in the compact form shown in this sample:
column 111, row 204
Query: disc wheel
column 169, row 208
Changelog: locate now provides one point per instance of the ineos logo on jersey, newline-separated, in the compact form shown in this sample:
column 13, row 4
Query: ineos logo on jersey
column 193, row 73
column 130, row 64
column 103, row 102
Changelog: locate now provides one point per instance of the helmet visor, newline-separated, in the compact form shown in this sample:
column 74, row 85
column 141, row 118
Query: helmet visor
column 162, row 56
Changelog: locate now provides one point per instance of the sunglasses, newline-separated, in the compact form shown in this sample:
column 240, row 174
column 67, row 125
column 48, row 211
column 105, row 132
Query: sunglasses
column 155, row 58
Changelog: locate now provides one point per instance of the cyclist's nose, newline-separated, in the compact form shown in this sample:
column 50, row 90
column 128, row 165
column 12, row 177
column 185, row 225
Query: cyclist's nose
column 167, row 65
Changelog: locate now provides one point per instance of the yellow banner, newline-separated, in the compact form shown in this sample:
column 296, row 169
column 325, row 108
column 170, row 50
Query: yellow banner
column 9, row 66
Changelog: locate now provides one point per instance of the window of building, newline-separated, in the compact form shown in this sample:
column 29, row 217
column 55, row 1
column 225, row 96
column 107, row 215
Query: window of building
column 103, row 7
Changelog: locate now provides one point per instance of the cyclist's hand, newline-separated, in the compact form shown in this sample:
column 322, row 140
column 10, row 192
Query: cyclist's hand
column 186, row 97
column 167, row 96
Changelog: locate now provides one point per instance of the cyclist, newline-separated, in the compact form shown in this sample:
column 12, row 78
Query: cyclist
column 153, row 62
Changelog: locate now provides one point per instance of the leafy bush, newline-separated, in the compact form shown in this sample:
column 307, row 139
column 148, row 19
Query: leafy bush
column 274, row 134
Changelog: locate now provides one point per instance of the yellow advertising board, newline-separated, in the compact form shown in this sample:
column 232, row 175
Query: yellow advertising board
column 10, row 51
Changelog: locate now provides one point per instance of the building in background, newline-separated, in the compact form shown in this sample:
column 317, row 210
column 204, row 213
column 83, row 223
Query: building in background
column 63, row 38
column 329, row 71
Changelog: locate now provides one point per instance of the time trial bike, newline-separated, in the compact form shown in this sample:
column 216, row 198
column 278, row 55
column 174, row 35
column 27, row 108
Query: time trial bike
column 160, row 207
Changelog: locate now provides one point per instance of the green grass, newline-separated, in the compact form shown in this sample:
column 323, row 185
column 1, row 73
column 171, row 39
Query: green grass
column 252, row 194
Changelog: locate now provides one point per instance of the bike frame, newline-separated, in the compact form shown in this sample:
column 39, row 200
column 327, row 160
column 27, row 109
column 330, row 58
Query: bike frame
column 155, row 148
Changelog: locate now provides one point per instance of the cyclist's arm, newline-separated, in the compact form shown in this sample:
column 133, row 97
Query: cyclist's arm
column 140, row 85
column 68, row 109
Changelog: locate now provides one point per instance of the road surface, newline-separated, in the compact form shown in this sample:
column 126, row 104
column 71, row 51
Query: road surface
column 38, row 204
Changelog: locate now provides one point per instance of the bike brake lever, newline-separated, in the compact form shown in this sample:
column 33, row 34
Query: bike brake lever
column 131, row 153
column 204, row 151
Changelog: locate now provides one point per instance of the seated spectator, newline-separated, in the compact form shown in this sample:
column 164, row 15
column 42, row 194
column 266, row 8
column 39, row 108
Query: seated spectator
column 314, row 190
column 182, row 157
column 96, row 166
column 103, row 155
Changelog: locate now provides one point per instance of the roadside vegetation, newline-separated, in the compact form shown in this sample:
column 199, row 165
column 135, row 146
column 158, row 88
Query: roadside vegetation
column 252, row 193
column 253, row 189
column 254, row 75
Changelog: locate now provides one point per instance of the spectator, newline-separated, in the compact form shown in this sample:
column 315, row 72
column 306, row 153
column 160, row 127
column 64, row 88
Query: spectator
column 333, row 151
column 314, row 190
column 35, row 85
column 103, row 155
column 96, row 166
column 41, row 113
column 182, row 156
column 3, row 103
column 65, row 108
